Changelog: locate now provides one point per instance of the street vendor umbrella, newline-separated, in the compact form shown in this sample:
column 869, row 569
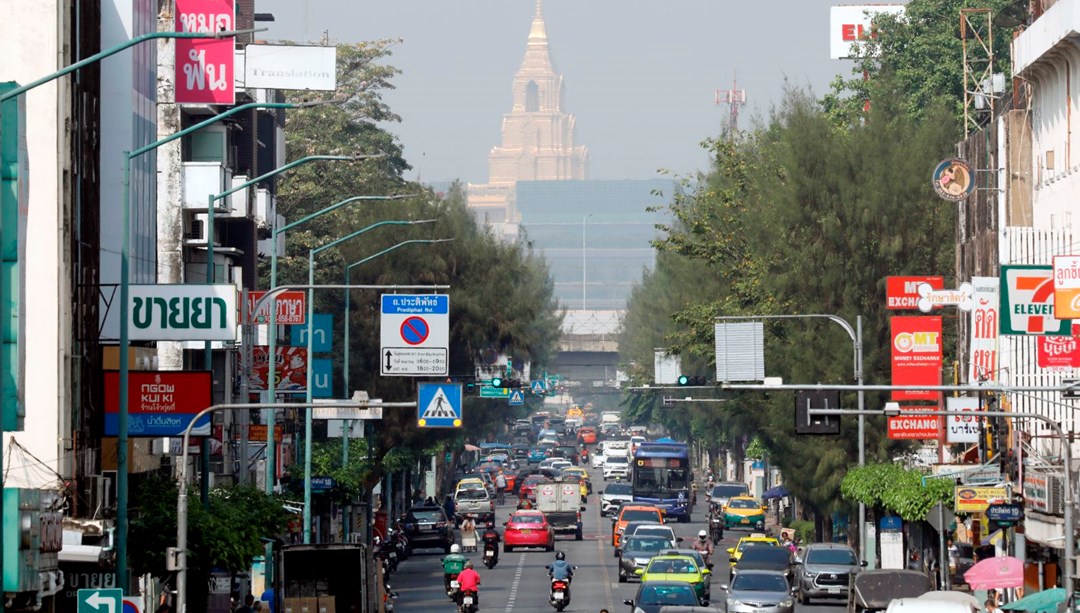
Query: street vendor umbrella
column 1046, row 601
column 995, row 574
column 775, row 492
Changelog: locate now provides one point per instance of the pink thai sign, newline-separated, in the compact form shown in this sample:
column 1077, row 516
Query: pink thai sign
column 205, row 67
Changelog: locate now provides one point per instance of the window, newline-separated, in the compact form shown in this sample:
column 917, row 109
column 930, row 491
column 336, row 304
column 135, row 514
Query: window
column 532, row 97
column 205, row 145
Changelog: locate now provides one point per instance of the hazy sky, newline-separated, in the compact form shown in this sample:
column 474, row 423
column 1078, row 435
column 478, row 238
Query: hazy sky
column 640, row 75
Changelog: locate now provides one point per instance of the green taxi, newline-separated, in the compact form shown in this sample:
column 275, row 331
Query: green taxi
column 677, row 568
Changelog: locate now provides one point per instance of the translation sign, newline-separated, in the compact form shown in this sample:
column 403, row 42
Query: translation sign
column 415, row 335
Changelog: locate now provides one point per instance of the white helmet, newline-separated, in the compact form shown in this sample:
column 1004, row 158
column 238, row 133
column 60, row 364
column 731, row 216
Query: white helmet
column 702, row 535
column 455, row 548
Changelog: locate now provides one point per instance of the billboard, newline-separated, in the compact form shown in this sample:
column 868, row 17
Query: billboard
column 916, row 355
column 962, row 429
column 290, row 67
column 160, row 403
column 1059, row 352
column 205, row 67
column 849, row 24
column 183, row 312
column 1027, row 302
column 291, row 308
column 902, row 293
column 914, row 427
column 290, row 371
column 1067, row 286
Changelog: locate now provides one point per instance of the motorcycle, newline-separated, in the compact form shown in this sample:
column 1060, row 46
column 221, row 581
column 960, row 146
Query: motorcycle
column 559, row 596
column 453, row 588
column 491, row 554
column 401, row 543
column 469, row 602
column 716, row 528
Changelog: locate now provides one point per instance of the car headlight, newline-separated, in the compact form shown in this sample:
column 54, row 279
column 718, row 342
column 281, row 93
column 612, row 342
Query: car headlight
column 731, row 602
column 787, row 602
column 809, row 575
column 642, row 561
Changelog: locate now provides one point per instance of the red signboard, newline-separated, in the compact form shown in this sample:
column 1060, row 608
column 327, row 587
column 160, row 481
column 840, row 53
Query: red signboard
column 1058, row 352
column 205, row 67
column 902, row 293
column 291, row 308
column 916, row 355
column 911, row 427
column 160, row 403
column 290, row 371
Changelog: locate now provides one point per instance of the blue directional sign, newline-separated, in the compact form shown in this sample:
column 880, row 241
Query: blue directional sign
column 322, row 484
column 322, row 378
column 438, row 405
column 538, row 387
column 322, row 334
column 517, row 398
column 100, row 601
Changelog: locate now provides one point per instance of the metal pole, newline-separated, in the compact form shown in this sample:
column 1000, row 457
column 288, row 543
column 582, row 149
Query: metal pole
column 862, row 435
column 345, row 392
column 245, row 418
column 307, row 414
column 122, row 419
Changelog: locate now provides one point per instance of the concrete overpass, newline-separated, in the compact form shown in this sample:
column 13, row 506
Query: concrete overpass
column 588, row 350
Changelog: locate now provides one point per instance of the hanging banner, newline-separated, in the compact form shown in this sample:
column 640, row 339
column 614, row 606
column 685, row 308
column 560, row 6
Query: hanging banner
column 982, row 365
column 205, row 67
column 916, row 355
column 290, row 371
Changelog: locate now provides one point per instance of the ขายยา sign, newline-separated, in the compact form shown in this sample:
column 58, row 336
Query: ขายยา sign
column 182, row 312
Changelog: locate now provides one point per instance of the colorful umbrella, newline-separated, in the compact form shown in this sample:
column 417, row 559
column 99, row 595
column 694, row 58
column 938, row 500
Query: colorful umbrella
column 995, row 574
column 1046, row 601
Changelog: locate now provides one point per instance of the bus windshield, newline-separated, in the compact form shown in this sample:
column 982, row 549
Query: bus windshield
column 656, row 481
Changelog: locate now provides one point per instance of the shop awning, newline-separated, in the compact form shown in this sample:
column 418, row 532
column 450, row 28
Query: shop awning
column 1046, row 601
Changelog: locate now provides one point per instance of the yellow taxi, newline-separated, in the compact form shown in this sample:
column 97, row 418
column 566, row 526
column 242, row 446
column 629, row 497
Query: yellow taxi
column 756, row 539
column 582, row 476
column 470, row 483
column 744, row 512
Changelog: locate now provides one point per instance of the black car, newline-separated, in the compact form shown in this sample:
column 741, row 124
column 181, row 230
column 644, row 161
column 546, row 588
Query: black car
column 427, row 526
column 765, row 558
column 570, row 452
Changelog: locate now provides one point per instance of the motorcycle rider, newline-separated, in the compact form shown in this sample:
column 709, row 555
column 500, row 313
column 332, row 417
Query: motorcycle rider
column 453, row 564
column 562, row 571
column 470, row 581
column 492, row 539
column 703, row 545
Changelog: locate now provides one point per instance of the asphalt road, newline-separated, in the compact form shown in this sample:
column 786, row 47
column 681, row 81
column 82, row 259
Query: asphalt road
column 519, row 583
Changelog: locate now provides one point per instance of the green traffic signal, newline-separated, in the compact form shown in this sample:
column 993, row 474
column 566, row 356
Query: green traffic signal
column 496, row 382
column 684, row 380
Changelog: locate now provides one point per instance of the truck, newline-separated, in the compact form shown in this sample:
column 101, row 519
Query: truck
column 323, row 577
column 560, row 502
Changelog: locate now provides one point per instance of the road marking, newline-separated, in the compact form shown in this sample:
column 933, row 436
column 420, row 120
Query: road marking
column 514, row 587
column 603, row 565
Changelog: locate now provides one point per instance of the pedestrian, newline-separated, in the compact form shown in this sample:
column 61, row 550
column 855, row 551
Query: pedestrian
column 991, row 605
column 268, row 598
column 448, row 506
column 603, row 611
column 249, row 600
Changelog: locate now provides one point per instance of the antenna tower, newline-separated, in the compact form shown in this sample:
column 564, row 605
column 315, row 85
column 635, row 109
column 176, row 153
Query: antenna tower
column 977, row 41
column 734, row 98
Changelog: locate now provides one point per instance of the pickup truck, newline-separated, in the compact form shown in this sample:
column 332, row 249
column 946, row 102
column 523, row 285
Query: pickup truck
column 560, row 502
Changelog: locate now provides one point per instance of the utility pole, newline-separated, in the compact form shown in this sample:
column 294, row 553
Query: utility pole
column 734, row 98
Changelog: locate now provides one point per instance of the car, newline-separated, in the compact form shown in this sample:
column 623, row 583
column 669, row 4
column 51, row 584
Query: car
column 597, row 459
column 560, row 464
column 693, row 553
column 652, row 595
column 744, row 512
column 547, row 462
column 633, row 512
column 474, row 503
column 586, row 435
column 536, row 455
column 616, row 467
column 528, row 487
column 581, row 474
column 756, row 539
column 678, row 568
column 520, row 451
column 753, row 591
column 824, row 570
column 726, row 490
column 427, row 526
column 635, row 442
column 528, row 529
column 636, row 553
column 568, row 452
column 765, row 558
column 651, row 529
column 631, row 527
column 614, row 496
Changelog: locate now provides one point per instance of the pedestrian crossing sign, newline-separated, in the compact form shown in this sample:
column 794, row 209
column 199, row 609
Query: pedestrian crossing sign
column 438, row 405
column 517, row 398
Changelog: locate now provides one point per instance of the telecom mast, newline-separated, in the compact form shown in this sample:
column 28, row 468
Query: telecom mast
column 734, row 98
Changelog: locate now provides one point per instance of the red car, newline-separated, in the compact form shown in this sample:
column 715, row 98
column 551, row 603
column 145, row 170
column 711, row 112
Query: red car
column 527, row 491
column 528, row 529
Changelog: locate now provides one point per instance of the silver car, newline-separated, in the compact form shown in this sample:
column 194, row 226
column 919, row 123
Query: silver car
column 824, row 571
column 759, row 591
column 614, row 496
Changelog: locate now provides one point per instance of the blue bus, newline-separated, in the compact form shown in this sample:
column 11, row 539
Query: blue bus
column 661, row 477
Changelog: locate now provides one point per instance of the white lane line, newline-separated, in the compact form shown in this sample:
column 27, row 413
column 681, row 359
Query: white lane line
column 514, row 587
column 603, row 565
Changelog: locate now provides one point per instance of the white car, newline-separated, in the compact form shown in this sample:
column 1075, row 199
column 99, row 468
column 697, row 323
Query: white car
column 597, row 460
column 614, row 496
column 616, row 467
column 560, row 464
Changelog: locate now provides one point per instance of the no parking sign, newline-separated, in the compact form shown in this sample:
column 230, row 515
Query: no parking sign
column 415, row 335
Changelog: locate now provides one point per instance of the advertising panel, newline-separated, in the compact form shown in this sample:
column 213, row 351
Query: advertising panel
column 850, row 24
column 962, row 429
column 1027, row 301
column 977, row 499
column 183, row 312
column 914, row 427
column 1067, row 286
column 290, row 371
column 1059, row 352
column 916, row 355
column 290, row 67
column 159, row 403
column 902, row 293
column 205, row 67
column 984, row 329
column 291, row 308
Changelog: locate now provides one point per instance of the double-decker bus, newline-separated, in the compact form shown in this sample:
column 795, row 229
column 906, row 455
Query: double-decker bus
column 661, row 477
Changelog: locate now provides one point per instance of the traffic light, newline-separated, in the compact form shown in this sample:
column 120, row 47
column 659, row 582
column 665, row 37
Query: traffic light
column 498, row 382
column 691, row 380
column 506, row 383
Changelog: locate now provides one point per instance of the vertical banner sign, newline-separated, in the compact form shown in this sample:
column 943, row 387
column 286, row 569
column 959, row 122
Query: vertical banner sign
column 1027, row 302
column 962, row 429
column 984, row 330
column 916, row 355
column 1067, row 286
column 205, row 67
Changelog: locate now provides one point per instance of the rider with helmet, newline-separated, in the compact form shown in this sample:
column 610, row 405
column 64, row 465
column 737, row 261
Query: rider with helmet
column 560, row 570
column 703, row 545
column 453, row 564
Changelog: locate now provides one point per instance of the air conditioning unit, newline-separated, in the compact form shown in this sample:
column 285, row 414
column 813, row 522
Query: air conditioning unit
column 195, row 232
column 101, row 493
column 238, row 201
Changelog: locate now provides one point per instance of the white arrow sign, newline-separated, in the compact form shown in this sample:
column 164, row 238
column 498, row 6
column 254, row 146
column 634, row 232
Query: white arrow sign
column 96, row 600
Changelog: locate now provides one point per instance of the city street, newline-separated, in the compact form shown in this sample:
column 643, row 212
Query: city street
column 519, row 582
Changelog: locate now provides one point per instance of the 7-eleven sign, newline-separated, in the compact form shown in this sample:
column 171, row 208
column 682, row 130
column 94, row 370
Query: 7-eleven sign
column 1027, row 302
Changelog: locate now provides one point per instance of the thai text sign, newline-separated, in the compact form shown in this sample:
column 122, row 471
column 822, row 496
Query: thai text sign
column 984, row 329
column 290, row 370
column 902, row 293
column 910, row 427
column 1059, row 352
column 976, row 499
column 916, row 355
column 159, row 403
column 291, row 308
column 205, row 67
column 962, row 429
column 1027, row 301
column 1067, row 286
column 183, row 312
column 1037, row 492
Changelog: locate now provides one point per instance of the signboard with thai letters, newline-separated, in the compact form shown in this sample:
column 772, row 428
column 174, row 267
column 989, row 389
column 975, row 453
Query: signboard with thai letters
column 205, row 67
column 1067, row 286
column 902, row 293
column 183, row 312
column 984, row 329
column 962, row 429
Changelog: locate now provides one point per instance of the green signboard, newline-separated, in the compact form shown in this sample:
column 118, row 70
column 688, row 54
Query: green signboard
column 14, row 196
column 101, row 601
column 486, row 391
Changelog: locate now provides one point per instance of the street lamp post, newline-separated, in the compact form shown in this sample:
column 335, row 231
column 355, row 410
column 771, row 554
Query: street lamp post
column 310, row 319
column 584, row 261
